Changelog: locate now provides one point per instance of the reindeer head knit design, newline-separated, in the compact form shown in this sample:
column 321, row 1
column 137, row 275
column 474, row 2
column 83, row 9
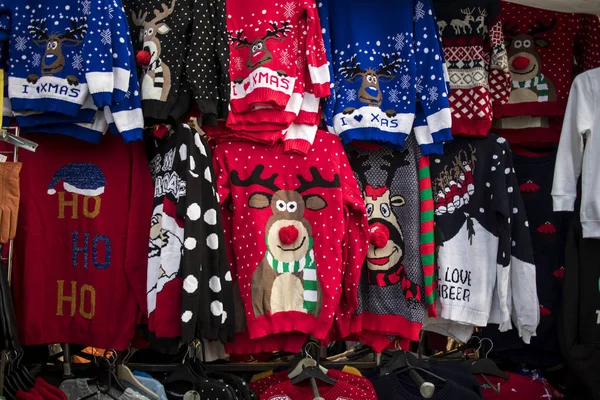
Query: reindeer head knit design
column 156, row 82
column 286, row 279
column 542, row 45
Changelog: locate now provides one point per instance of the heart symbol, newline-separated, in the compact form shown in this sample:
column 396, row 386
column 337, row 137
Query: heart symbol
column 358, row 117
column 246, row 85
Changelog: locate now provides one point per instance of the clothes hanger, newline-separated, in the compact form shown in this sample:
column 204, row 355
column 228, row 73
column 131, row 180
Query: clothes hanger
column 125, row 374
column 486, row 366
column 312, row 373
column 304, row 360
column 111, row 379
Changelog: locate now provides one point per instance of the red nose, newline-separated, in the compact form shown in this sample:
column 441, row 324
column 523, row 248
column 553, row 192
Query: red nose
column 288, row 234
column 379, row 235
column 521, row 62
column 142, row 58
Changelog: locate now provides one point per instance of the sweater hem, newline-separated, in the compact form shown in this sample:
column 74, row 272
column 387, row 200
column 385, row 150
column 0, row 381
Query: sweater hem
column 285, row 322
column 391, row 325
column 546, row 109
column 591, row 229
column 478, row 128
column 464, row 315
column 53, row 105
column 260, row 98
column 68, row 334
column 373, row 135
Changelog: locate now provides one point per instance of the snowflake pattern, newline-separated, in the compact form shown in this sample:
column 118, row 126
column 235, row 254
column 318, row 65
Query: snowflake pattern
column 433, row 94
column 36, row 60
column 419, row 11
column 105, row 35
column 238, row 63
column 419, row 84
column 289, row 9
column 110, row 11
column 77, row 62
column 21, row 43
column 394, row 95
column 405, row 82
column 399, row 39
column 285, row 57
column 86, row 7
column 350, row 94
column 300, row 60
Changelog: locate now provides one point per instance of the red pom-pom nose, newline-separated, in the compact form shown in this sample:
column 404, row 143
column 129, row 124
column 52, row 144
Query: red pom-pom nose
column 142, row 58
column 521, row 62
column 288, row 234
column 379, row 235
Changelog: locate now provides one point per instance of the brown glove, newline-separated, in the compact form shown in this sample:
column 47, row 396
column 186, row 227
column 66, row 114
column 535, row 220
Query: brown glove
column 9, row 199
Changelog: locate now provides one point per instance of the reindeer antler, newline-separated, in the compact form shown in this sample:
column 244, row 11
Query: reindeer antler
column 255, row 179
column 77, row 31
column 166, row 11
column 37, row 29
column 140, row 18
column 237, row 40
column 286, row 27
column 389, row 67
column 350, row 68
column 510, row 31
column 393, row 162
column 539, row 27
column 317, row 181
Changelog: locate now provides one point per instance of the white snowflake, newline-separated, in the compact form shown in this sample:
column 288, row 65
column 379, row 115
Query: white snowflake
column 399, row 39
column 295, row 45
column 128, row 94
column 300, row 60
column 110, row 11
column 433, row 94
column 419, row 11
column 289, row 9
column 394, row 95
column 405, row 84
column 86, row 7
column 418, row 84
column 350, row 94
column 21, row 43
column 105, row 35
column 36, row 60
column 285, row 56
column 238, row 63
column 77, row 62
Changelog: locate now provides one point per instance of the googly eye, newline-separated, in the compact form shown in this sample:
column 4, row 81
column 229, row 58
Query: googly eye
column 281, row 206
column 292, row 206
column 385, row 210
column 369, row 209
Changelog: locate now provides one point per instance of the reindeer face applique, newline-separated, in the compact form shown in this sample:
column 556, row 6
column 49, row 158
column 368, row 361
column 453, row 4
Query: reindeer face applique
column 53, row 60
column 370, row 90
column 525, row 64
column 260, row 54
column 454, row 186
column 286, row 278
column 156, row 82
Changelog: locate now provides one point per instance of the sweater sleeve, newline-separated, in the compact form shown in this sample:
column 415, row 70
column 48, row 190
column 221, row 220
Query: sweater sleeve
column 207, row 302
column 329, row 103
column 569, row 159
column 97, row 50
column 500, row 80
column 423, row 133
column 356, row 238
column 427, row 242
column 121, row 50
column 138, row 225
column 207, row 62
column 127, row 116
column 430, row 71
column 316, row 56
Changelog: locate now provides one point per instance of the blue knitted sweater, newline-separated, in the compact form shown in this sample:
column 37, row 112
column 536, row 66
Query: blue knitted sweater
column 385, row 57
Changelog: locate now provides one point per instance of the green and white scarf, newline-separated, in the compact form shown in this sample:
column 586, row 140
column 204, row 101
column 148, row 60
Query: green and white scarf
column 539, row 83
column 306, row 265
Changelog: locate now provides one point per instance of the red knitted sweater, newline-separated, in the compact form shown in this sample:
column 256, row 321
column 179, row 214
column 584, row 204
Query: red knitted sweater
column 301, row 233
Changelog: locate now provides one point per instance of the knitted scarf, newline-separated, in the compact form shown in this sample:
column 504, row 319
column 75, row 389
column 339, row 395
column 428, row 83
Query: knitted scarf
column 306, row 265
column 539, row 83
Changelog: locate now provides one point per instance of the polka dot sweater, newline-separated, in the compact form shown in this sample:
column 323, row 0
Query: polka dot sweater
column 189, row 286
column 300, row 233
column 542, row 46
column 486, row 271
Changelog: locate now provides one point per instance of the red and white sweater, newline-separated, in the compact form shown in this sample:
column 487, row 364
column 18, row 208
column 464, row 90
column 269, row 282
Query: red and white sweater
column 301, row 233
column 266, row 43
column 542, row 46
